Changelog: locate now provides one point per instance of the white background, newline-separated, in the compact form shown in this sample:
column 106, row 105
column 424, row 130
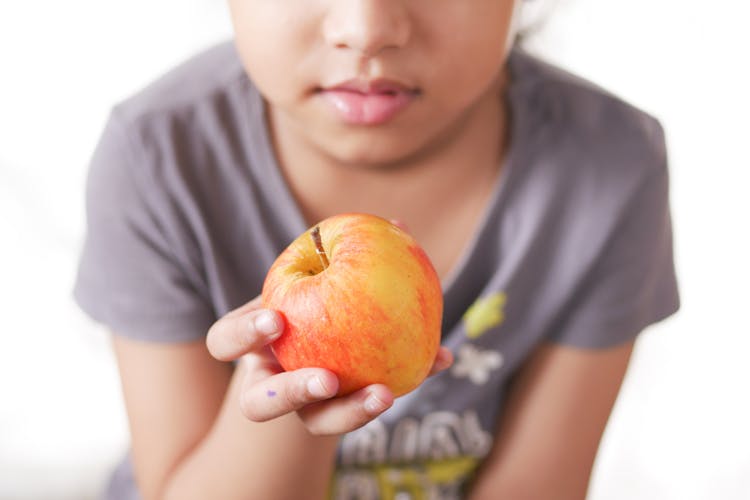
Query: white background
column 681, row 429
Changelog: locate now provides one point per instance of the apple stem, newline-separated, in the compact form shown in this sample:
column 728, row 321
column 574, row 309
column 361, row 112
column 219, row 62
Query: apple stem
column 319, row 247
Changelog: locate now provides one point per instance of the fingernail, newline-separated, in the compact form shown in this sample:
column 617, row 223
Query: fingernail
column 316, row 388
column 265, row 323
column 444, row 361
column 374, row 405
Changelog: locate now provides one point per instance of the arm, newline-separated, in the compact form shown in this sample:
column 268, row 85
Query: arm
column 189, row 440
column 202, row 430
column 557, row 410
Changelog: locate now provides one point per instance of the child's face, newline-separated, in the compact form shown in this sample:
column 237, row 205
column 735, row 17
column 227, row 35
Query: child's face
column 373, row 81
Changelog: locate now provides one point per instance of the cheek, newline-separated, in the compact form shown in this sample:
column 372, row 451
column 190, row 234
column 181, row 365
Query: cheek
column 469, row 41
column 272, row 46
column 463, row 79
column 276, row 72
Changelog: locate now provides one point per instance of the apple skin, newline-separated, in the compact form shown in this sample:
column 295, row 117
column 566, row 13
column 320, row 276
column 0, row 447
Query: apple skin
column 372, row 316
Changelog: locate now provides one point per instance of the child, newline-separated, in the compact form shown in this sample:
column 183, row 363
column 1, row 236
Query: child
column 541, row 200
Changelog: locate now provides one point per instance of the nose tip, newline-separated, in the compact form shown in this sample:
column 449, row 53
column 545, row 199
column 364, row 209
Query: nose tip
column 367, row 26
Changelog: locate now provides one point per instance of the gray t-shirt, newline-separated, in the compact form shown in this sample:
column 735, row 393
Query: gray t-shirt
column 187, row 209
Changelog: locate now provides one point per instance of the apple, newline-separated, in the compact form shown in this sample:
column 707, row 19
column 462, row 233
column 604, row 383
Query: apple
column 360, row 298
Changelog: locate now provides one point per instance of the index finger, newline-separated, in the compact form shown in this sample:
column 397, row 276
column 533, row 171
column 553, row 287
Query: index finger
column 243, row 330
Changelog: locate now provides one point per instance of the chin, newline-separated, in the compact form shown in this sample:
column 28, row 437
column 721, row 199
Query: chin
column 374, row 148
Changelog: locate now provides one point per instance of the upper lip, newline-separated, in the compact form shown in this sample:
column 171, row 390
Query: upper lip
column 375, row 86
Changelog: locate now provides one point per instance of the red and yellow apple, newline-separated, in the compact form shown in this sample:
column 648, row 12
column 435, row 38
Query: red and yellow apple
column 361, row 298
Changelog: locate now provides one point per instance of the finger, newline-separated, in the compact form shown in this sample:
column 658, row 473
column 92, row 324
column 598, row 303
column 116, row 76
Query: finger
column 259, row 365
column 443, row 360
column 236, row 334
column 347, row 413
column 286, row 392
column 400, row 224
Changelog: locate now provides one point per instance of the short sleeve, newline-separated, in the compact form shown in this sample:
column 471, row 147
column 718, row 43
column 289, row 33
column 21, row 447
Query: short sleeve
column 128, row 277
column 632, row 283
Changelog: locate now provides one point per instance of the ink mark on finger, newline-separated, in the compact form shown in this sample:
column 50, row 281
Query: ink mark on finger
column 270, row 393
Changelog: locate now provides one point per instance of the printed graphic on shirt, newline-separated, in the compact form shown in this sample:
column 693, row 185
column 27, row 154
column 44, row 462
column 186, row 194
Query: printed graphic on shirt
column 431, row 458
column 476, row 364
column 485, row 313
column 434, row 480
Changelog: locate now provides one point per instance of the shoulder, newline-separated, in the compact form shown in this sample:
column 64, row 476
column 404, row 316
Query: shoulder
column 198, row 118
column 586, row 124
column 177, row 142
column 197, row 81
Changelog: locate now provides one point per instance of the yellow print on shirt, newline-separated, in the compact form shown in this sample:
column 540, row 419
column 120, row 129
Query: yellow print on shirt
column 485, row 313
column 440, row 479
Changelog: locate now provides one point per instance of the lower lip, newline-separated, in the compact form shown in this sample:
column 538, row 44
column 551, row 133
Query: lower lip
column 356, row 108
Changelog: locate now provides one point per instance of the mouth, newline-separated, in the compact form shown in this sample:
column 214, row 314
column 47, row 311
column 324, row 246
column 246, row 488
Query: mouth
column 377, row 86
column 368, row 102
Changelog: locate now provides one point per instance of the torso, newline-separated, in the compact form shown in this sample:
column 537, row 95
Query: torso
column 228, row 215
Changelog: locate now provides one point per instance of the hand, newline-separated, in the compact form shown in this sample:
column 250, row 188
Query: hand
column 269, row 392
